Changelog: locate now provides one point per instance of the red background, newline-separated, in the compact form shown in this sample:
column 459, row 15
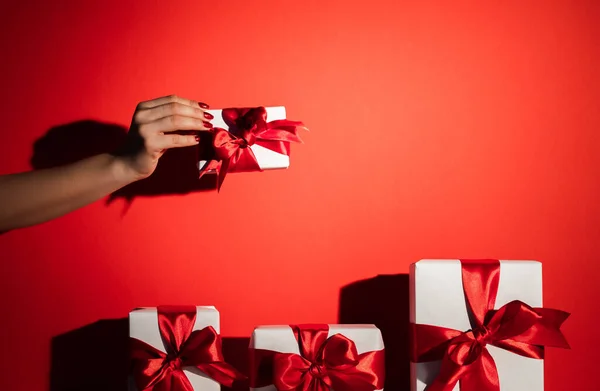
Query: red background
column 437, row 130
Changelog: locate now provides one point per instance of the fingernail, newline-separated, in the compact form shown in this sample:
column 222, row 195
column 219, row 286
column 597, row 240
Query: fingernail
column 208, row 115
column 208, row 124
column 197, row 139
column 203, row 105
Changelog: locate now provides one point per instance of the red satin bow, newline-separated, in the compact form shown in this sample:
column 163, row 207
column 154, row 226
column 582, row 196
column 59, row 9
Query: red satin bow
column 158, row 371
column 248, row 126
column 323, row 364
column 515, row 327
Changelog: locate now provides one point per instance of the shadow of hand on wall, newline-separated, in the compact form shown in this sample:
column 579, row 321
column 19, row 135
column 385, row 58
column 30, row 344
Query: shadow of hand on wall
column 176, row 173
column 383, row 301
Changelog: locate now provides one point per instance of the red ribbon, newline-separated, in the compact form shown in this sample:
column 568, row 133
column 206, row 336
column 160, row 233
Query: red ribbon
column 248, row 126
column 515, row 327
column 159, row 371
column 323, row 364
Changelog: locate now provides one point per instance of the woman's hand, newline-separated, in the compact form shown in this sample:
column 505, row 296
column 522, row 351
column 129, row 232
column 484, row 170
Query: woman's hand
column 34, row 197
column 158, row 125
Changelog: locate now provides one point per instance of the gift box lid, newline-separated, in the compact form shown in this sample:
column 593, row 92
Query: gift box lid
column 280, row 338
column 143, row 323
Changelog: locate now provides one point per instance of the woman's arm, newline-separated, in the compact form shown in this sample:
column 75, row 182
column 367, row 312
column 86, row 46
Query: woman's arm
column 38, row 196
column 35, row 197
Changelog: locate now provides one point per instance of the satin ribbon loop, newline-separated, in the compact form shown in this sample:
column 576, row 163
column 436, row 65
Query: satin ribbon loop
column 247, row 127
column 515, row 327
column 156, row 370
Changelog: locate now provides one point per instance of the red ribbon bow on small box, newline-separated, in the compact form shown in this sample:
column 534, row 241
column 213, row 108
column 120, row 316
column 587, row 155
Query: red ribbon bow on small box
column 323, row 364
column 231, row 150
column 159, row 371
column 515, row 327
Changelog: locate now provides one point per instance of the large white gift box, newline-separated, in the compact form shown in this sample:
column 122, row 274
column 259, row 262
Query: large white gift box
column 143, row 325
column 266, row 158
column 367, row 338
column 437, row 298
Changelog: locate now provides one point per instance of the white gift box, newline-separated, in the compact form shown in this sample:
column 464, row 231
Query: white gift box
column 143, row 325
column 266, row 158
column 437, row 298
column 367, row 338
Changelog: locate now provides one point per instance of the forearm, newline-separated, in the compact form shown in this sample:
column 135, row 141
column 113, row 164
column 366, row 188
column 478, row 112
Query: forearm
column 38, row 196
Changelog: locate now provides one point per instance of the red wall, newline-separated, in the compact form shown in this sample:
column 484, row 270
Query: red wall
column 463, row 130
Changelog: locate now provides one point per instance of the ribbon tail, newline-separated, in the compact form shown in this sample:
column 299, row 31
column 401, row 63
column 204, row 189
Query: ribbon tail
column 552, row 316
column 372, row 364
column 282, row 147
column 146, row 363
column 521, row 348
column 244, row 160
column 526, row 331
column 203, row 350
column 429, row 343
column 222, row 373
column 450, row 374
column 289, row 371
column 351, row 380
column 282, row 132
column 221, row 173
column 208, row 166
column 482, row 375
column 175, row 381
column 548, row 333
column 287, row 125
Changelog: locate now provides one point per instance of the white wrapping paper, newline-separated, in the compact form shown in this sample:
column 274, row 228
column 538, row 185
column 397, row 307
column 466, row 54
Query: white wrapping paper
column 266, row 158
column 143, row 325
column 367, row 338
column 437, row 298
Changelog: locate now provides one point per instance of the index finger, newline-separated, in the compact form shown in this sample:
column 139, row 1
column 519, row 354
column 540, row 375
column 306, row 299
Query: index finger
column 171, row 99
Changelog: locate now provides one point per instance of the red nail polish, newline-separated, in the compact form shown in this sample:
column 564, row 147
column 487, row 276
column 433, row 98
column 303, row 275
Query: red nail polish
column 208, row 124
column 208, row 115
column 197, row 139
column 203, row 105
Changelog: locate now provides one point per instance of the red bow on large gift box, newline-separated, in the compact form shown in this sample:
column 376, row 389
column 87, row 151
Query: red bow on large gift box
column 464, row 356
